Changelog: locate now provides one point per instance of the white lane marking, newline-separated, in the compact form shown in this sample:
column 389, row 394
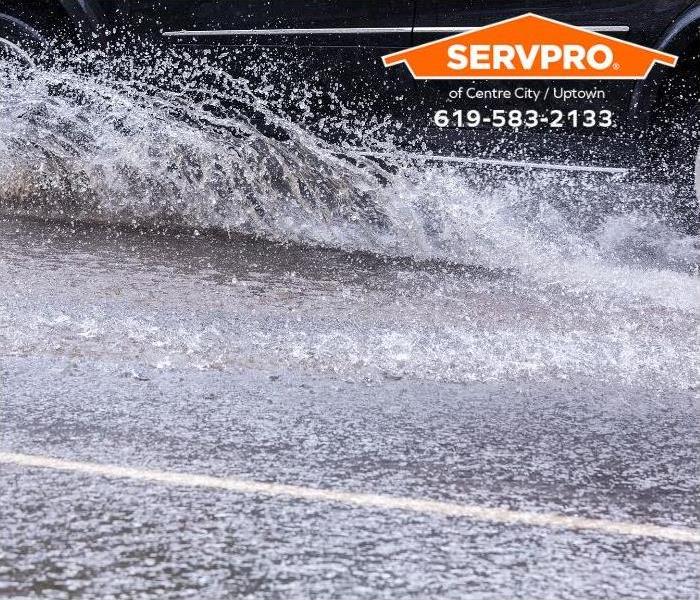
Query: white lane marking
column 374, row 501
column 351, row 30
column 501, row 163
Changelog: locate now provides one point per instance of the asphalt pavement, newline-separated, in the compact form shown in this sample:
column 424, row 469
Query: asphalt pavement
column 475, row 396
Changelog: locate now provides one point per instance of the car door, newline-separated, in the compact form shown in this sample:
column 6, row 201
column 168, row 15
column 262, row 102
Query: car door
column 320, row 58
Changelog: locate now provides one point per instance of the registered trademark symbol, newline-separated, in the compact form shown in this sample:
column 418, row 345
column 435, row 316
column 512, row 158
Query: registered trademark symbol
column 616, row 66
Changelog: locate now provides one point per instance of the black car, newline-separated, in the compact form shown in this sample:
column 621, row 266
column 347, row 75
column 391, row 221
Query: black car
column 335, row 48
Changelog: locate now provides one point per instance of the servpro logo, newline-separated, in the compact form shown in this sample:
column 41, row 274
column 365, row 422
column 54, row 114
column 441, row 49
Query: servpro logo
column 518, row 57
column 529, row 47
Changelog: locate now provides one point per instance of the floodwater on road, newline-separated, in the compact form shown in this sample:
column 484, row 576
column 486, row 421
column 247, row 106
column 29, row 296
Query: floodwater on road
column 187, row 296
column 289, row 364
column 213, row 303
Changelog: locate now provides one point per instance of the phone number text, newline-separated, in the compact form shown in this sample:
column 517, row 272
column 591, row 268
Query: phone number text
column 529, row 119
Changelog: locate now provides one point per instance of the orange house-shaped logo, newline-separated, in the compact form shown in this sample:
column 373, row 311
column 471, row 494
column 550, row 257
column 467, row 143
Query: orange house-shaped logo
column 529, row 47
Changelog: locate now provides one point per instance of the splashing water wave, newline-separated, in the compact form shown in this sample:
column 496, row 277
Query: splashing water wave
column 87, row 147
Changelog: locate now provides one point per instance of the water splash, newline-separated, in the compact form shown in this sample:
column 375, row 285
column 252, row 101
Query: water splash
column 92, row 139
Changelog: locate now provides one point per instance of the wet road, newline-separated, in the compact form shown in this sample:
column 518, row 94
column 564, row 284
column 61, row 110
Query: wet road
column 271, row 363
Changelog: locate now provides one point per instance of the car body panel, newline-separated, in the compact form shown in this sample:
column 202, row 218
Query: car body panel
column 336, row 47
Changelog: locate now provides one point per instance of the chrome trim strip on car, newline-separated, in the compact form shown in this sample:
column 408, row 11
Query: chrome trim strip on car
column 312, row 31
column 520, row 164
column 353, row 31
column 598, row 28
